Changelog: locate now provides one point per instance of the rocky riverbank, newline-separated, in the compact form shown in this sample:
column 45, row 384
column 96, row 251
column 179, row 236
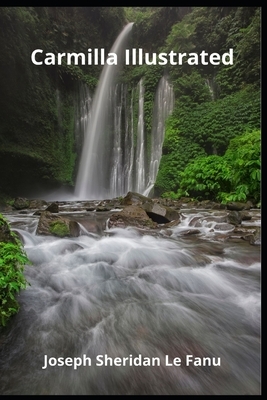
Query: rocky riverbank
column 233, row 221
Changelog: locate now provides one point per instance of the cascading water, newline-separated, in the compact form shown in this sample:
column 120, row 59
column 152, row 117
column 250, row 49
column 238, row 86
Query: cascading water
column 140, row 183
column 132, row 297
column 92, row 180
column 83, row 113
column 112, row 162
column 163, row 106
column 128, row 147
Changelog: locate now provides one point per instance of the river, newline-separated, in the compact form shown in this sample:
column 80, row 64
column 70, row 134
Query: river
column 123, row 313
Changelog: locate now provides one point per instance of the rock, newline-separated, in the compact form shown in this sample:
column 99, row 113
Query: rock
column 55, row 225
column 256, row 239
column 238, row 206
column 190, row 232
column 234, row 218
column 131, row 216
column 160, row 213
column 53, row 208
column 103, row 208
column 224, row 227
column 133, row 198
column 20, row 203
column 37, row 203
column 245, row 216
column 5, row 232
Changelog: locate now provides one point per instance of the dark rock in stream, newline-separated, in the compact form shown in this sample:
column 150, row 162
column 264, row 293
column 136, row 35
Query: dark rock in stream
column 160, row 213
column 53, row 208
column 238, row 206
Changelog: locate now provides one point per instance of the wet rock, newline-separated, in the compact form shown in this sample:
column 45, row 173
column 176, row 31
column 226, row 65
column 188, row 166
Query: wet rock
column 5, row 232
column 238, row 206
column 245, row 216
column 37, row 203
column 53, row 208
column 224, row 227
column 21, row 202
column 234, row 218
column 256, row 239
column 133, row 198
column 93, row 208
column 131, row 216
column 55, row 225
column 209, row 204
column 160, row 213
column 190, row 232
column 103, row 208
column 251, row 235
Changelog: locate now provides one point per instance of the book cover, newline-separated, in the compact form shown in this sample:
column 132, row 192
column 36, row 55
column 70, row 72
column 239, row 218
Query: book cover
column 130, row 203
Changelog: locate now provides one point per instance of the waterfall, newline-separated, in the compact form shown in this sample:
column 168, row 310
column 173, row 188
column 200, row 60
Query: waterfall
column 83, row 114
column 210, row 82
column 121, row 177
column 116, row 180
column 92, row 179
column 163, row 106
column 113, row 159
column 140, row 148
column 129, row 145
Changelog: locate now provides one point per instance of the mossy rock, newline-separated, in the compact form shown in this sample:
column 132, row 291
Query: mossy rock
column 59, row 228
column 55, row 225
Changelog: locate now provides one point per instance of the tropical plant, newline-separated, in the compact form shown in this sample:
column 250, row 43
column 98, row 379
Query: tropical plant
column 12, row 261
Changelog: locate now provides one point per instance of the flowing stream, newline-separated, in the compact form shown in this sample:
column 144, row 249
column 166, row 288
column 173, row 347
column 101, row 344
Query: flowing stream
column 172, row 314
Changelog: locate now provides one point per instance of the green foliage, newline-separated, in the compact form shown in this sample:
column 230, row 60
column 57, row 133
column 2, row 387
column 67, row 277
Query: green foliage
column 244, row 155
column 176, row 154
column 212, row 124
column 12, row 261
column 205, row 177
column 235, row 176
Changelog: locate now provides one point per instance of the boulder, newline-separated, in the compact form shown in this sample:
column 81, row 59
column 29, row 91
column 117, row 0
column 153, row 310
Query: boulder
column 234, row 218
column 238, row 206
column 37, row 203
column 21, row 203
column 160, row 213
column 53, row 208
column 55, row 225
column 131, row 216
column 133, row 198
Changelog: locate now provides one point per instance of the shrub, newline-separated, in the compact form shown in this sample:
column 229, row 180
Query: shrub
column 12, row 280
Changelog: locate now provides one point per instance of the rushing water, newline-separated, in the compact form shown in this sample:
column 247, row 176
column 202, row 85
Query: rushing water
column 143, row 298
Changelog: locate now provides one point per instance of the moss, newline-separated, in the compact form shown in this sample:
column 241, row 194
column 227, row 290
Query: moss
column 59, row 228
